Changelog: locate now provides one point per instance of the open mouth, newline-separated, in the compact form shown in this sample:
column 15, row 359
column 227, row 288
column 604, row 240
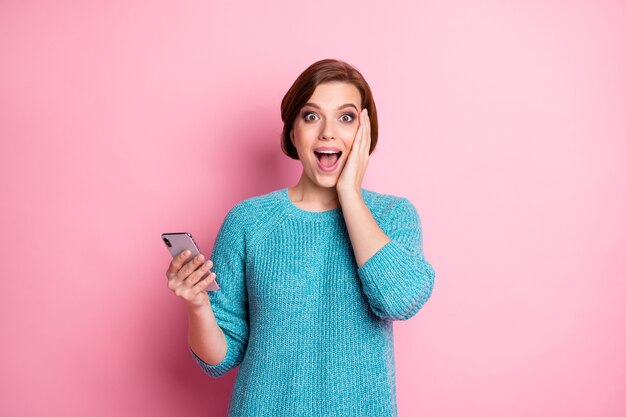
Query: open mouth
column 328, row 159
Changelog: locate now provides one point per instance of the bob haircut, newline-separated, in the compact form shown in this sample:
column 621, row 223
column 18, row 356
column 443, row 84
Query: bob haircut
column 326, row 70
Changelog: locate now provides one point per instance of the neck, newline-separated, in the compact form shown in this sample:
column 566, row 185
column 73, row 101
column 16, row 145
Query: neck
column 312, row 195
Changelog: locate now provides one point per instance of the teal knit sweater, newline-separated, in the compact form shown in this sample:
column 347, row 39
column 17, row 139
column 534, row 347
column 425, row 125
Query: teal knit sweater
column 311, row 331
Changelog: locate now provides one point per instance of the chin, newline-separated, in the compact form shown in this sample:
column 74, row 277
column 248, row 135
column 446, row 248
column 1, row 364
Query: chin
column 329, row 185
column 327, row 181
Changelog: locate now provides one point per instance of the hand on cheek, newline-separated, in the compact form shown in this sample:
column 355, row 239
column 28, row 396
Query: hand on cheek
column 353, row 172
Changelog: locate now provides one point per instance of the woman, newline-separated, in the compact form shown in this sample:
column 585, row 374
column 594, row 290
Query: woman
column 313, row 276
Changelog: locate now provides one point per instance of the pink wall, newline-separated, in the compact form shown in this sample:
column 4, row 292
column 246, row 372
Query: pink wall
column 503, row 122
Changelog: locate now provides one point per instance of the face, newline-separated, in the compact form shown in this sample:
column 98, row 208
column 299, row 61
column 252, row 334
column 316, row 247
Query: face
column 325, row 129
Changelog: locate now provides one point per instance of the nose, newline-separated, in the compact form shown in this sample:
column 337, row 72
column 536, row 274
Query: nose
column 327, row 131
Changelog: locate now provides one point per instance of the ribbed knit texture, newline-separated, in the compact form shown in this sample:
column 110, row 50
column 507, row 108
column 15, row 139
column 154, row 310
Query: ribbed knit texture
column 311, row 331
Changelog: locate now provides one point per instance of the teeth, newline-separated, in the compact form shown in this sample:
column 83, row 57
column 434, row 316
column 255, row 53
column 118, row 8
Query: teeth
column 328, row 152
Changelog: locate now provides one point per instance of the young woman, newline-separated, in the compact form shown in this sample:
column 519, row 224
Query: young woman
column 312, row 276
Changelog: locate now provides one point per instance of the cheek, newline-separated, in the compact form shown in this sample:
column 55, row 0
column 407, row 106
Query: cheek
column 296, row 134
column 301, row 131
column 349, row 132
column 302, row 137
column 348, row 136
column 348, row 144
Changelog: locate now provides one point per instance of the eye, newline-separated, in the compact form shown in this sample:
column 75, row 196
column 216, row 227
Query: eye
column 347, row 117
column 309, row 116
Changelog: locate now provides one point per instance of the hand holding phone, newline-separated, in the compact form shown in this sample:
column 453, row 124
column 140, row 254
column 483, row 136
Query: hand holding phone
column 188, row 275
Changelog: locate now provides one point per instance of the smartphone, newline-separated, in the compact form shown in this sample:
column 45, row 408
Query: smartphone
column 178, row 242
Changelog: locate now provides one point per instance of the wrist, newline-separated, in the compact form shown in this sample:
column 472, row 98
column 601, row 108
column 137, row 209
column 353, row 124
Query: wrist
column 198, row 310
column 348, row 195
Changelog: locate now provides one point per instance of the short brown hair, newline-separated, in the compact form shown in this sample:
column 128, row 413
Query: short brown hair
column 323, row 71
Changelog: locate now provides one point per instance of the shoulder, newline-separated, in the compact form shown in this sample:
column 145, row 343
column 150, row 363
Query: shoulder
column 249, row 219
column 384, row 203
column 385, row 207
column 255, row 210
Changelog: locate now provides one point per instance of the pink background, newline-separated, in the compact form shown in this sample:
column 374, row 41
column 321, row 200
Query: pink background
column 503, row 122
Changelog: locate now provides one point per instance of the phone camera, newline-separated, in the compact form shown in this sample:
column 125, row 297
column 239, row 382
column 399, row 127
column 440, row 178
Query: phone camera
column 167, row 242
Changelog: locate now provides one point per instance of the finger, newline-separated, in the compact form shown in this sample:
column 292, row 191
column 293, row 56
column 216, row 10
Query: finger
column 198, row 273
column 359, row 129
column 369, row 132
column 177, row 263
column 354, row 152
column 366, row 134
column 190, row 292
column 202, row 285
column 361, row 120
column 358, row 140
column 368, row 126
column 190, row 266
column 200, row 294
column 354, row 147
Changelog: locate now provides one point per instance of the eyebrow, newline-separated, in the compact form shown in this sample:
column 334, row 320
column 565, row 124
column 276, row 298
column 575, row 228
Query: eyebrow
column 343, row 106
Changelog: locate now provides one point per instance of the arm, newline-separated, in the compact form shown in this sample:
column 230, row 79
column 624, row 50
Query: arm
column 218, row 334
column 396, row 279
column 206, row 338
column 365, row 235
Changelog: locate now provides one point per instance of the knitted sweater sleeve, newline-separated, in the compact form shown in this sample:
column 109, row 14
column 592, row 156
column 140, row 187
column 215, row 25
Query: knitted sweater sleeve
column 397, row 280
column 229, row 303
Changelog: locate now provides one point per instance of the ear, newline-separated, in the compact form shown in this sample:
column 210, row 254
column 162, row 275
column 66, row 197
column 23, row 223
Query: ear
column 292, row 137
